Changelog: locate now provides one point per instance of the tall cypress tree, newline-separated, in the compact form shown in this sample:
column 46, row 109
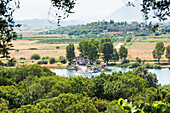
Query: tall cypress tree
column 70, row 54
column 115, row 55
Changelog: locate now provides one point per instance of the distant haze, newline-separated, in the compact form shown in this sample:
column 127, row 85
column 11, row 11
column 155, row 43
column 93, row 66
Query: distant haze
column 45, row 23
column 86, row 10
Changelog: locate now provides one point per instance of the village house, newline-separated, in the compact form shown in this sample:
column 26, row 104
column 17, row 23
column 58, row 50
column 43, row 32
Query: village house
column 81, row 60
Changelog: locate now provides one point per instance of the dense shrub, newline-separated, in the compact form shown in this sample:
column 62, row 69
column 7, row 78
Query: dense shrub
column 17, row 50
column 138, row 60
column 124, row 61
column 43, row 58
column 52, row 60
column 22, row 58
column 65, row 103
column 148, row 66
column 47, row 57
column 151, row 66
column 32, row 48
column 63, row 59
column 35, row 57
column 57, row 47
column 143, row 73
column 157, row 67
column 20, row 73
column 42, row 62
column 125, row 65
column 134, row 65
column 35, row 89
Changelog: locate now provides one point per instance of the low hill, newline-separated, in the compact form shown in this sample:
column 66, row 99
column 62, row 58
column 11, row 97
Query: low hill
column 46, row 23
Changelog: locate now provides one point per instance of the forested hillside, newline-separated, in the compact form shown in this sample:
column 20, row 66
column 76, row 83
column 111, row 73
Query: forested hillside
column 107, row 28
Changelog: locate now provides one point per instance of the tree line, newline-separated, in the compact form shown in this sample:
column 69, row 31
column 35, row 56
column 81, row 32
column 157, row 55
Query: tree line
column 94, row 49
column 106, row 27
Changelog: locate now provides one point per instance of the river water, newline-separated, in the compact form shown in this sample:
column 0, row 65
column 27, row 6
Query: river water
column 163, row 75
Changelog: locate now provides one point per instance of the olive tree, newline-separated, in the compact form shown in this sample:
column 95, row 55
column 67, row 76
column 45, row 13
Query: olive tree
column 158, row 51
column 107, row 50
column 168, row 53
column 123, row 51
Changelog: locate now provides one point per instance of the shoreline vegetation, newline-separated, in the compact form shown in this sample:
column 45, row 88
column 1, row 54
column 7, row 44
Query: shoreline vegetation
column 148, row 65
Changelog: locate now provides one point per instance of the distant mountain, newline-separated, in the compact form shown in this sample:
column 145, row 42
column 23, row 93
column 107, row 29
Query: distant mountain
column 46, row 23
column 127, row 13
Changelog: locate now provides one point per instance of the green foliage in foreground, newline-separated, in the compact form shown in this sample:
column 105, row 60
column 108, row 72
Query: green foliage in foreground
column 156, row 107
column 64, row 103
column 32, row 89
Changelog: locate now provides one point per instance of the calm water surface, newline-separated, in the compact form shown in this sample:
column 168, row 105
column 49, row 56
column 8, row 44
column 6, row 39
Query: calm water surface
column 163, row 75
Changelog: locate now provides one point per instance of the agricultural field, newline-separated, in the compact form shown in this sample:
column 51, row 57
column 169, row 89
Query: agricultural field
column 26, row 48
column 143, row 50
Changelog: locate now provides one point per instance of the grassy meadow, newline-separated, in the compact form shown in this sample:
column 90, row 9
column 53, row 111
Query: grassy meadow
column 143, row 50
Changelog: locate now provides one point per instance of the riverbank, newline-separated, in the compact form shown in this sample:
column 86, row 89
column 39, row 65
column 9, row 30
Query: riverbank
column 127, row 64
column 163, row 75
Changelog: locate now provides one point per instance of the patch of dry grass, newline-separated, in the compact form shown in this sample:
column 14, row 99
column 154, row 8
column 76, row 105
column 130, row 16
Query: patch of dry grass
column 42, row 49
column 143, row 50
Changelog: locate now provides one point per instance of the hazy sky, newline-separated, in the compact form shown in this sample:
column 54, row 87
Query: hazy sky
column 84, row 10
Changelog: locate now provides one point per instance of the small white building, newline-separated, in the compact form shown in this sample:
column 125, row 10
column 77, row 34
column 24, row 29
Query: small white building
column 81, row 60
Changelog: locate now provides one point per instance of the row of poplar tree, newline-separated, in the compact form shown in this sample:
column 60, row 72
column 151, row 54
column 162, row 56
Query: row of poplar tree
column 94, row 49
